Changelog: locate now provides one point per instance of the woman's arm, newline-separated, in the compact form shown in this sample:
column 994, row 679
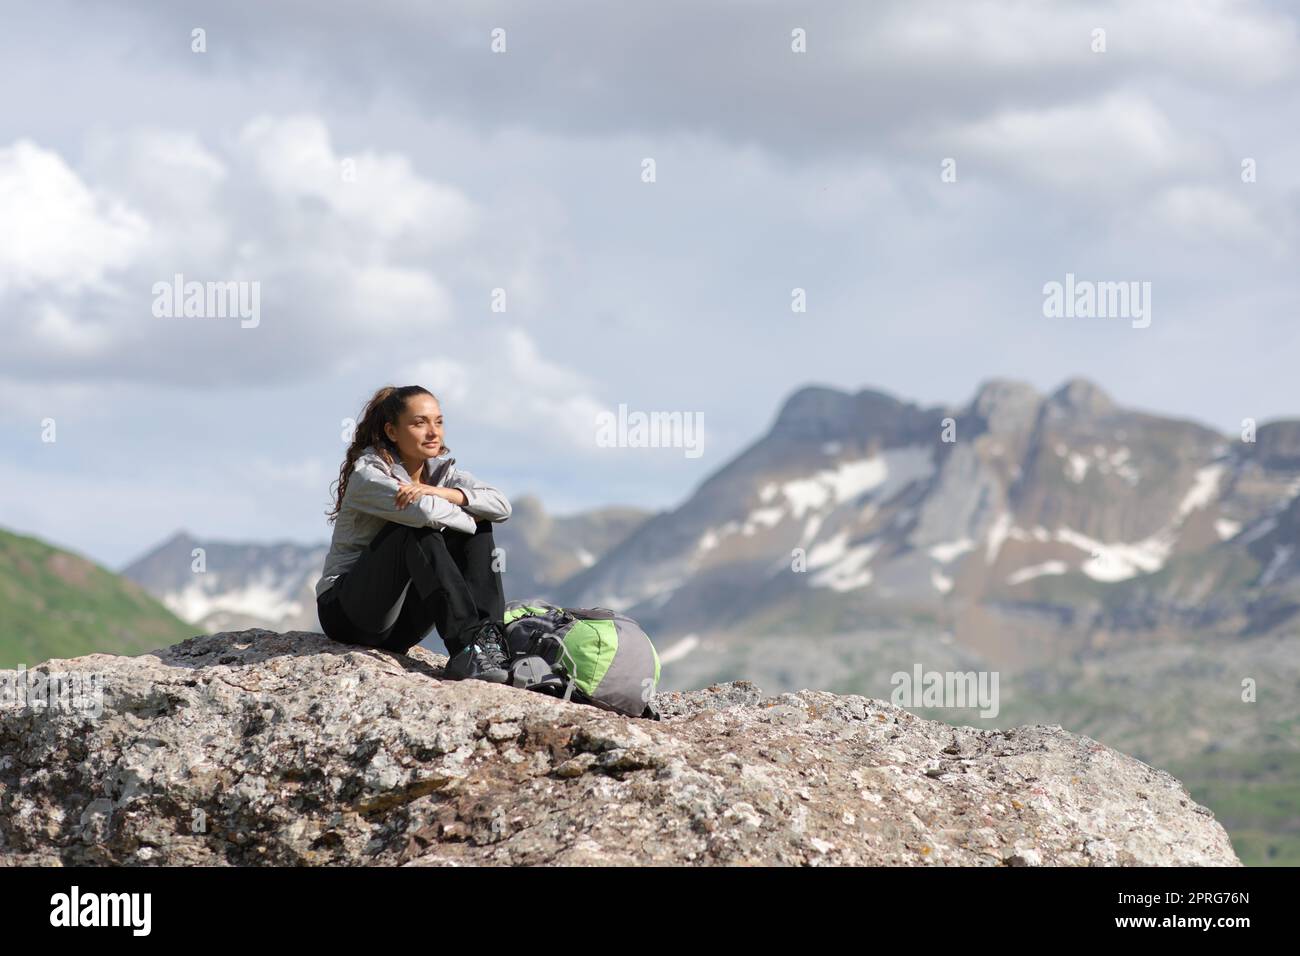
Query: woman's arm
column 372, row 491
column 454, row 495
column 411, row 490
column 481, row 499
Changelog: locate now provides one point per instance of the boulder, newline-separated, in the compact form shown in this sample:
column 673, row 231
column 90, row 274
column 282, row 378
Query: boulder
column 256, row 747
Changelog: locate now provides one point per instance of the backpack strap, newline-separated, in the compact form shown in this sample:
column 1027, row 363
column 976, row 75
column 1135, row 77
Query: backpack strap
column 591, row 613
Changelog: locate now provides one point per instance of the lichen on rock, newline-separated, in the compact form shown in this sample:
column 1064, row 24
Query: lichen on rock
column 256, row 747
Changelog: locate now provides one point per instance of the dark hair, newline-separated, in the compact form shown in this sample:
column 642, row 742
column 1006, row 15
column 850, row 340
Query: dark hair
column 384, row 408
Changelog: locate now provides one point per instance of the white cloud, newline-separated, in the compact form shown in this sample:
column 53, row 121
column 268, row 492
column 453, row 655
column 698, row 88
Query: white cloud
column 395, row 297
column 1239, row 43
column 26, row 407
column 1207, row 212
column 515, row 389
column 1102, row 146
column 58, row 330
column 381, row 193
column 345, row 269
column 446, row 378
column 58, row 231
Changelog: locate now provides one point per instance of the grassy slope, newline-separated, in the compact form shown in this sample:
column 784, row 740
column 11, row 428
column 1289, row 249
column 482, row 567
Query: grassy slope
column 56, row 604
column 1256, row 797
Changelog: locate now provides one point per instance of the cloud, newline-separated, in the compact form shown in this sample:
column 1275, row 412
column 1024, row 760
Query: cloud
column 1103, row 146
column 727, row 71
column 514, row 389
column 475, row 171
column 58, row 231
column 376, row 192
column 446, row 378
column 1208, row 213
column 342, row 264
column 394, row 296
column 1242, row 44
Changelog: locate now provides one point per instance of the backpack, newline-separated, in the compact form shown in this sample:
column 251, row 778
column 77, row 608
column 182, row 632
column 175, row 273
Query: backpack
column 589, row 655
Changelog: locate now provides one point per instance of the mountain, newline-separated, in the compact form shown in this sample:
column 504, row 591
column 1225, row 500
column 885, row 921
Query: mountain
column 57, row 604
column 245, row 584
column 217, row 584
column 1027, row 526
column 1123, row 572
column 543, row 551
column 257, row 748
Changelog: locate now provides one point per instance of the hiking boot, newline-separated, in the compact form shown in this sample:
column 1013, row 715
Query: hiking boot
column 485, row 657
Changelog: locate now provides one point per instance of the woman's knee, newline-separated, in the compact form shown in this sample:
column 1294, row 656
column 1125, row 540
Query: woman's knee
column 403, row 535
column 482, row 526
column 429, row 540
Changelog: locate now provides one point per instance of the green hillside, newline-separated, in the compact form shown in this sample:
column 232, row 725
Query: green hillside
column 56, row 604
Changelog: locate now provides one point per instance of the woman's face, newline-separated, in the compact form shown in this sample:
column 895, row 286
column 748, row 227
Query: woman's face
column 418, row 432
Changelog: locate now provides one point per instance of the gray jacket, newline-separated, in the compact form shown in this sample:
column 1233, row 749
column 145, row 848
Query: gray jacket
column 369, row 502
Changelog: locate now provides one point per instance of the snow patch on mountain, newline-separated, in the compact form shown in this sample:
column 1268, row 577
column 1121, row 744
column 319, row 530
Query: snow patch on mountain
column 1120, row 561
column 997, row 534
column 830, row 550
column 883, row 474
column 846, row 566
column 679, row 649
column 1036, row 571
column 849, row 573
column 1204, row 487
column 1076, row 467
column 1118, row 462
column 262, row 599
column 1226, row 528
column 1115, row 561
column 947, row 550
column 1038, row 533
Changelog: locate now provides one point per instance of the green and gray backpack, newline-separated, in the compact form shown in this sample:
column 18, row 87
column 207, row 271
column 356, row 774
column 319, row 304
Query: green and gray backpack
column 590, row 655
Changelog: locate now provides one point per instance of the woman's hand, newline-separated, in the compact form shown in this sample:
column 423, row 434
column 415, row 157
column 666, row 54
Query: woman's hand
column 415, row 490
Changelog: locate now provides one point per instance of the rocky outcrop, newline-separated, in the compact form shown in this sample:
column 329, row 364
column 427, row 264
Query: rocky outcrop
column 262, row 748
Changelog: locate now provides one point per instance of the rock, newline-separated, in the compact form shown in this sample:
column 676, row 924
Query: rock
column 256, row 747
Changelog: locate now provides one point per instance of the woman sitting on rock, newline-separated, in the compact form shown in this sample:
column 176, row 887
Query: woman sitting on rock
column 413, row 553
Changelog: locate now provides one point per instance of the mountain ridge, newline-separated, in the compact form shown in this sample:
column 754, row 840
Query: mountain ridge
column 891, row 517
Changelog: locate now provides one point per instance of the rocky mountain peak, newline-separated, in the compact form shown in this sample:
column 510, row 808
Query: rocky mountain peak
column 181, row 540
column 1006, row 405
column 1080, row 398
column 816, row 412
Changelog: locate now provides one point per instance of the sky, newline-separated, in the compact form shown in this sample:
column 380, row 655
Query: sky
column 377, row 170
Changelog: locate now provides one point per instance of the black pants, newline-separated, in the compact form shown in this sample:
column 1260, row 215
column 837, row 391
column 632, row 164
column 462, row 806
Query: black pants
column 410, row 580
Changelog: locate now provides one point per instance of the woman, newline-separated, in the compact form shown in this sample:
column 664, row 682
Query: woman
column 410, row 554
